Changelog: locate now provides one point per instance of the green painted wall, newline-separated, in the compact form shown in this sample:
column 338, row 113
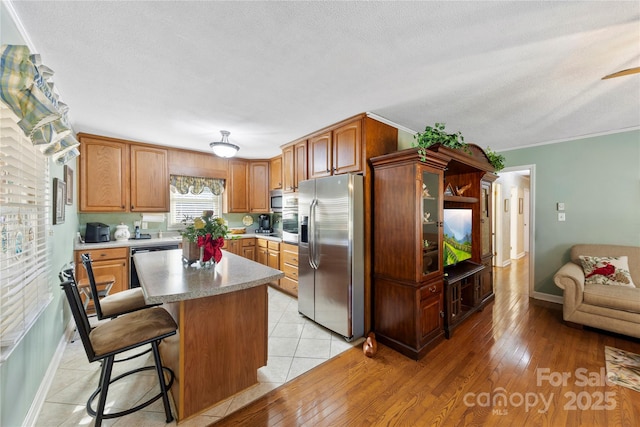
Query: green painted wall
column 598, row 179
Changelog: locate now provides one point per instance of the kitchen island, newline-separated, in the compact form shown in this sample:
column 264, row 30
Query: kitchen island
column 222, row 324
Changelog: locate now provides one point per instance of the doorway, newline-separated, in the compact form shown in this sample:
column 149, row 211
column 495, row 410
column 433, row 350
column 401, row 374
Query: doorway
column 513, row 224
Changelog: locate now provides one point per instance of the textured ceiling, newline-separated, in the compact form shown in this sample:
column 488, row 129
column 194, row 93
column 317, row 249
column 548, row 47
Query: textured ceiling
column 505, row 74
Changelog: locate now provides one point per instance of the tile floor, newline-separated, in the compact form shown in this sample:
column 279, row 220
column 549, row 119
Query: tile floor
column 296, row 345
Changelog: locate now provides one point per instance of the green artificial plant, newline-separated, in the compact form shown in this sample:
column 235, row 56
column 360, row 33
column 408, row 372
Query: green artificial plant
column 437, row 135
column 496, row 160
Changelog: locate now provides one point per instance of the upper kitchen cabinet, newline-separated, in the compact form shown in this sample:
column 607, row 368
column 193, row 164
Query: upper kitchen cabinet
column 275, row 173
column 103, row 174
column 336, row 151
column 259, row 186
column 294, row 165
column 118, row 176
column 238, row 186
column 149, row 179
column 248, row 186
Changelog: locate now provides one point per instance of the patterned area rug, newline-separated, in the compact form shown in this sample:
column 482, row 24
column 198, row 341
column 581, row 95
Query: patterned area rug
column 623, row 367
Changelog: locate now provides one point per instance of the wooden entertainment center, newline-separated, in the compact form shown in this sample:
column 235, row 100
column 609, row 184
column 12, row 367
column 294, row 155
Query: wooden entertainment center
column 416, row 300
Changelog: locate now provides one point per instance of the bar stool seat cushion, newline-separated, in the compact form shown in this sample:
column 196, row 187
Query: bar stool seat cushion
column 122, row 302
column 131, row 329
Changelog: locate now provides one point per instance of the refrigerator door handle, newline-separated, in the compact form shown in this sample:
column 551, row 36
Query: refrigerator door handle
column 312, row 234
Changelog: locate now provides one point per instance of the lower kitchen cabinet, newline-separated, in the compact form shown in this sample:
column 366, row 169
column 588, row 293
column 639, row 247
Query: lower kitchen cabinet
column 114, row 261
column 268, row 253
column 289, row 266
column 243, row 247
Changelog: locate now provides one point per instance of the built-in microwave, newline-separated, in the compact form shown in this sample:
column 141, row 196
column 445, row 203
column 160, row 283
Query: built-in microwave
column 275, row 201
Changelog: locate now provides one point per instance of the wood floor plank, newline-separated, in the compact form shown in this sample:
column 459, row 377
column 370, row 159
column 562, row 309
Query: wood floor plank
column 503, row 349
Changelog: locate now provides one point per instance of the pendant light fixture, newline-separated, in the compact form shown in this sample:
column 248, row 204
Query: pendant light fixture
column 224, row 148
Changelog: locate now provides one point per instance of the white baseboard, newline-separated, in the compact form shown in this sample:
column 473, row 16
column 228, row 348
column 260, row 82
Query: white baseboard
column 506, row 263
column 41, row 395
column 521, row 255
column 548, row 297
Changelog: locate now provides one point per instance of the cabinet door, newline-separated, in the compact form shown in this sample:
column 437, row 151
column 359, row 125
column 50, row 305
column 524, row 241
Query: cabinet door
column 249, row 252
column 238, row 191
column 104, row 179
column 149, row 179
column 431, row 313
column 301, row 161
column 288, row 171
column 320, row 155
column 347, row 148
column 259, row 187
column 428, row 192
column 274, row 259
column 275, row 173
column 118, row 267
column 262, row 255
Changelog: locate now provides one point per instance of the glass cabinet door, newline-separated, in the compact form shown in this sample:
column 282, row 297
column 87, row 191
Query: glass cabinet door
column 431, row 221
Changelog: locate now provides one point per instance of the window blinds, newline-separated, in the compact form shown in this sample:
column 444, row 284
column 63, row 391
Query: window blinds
column 25, row 218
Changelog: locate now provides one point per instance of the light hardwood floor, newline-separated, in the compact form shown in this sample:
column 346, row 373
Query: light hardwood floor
column 515, row 348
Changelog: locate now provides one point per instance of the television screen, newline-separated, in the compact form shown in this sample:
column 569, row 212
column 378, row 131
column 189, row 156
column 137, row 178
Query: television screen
column 457, row 236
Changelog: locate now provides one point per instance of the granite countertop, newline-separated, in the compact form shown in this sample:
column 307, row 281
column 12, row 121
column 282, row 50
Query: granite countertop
column 165, row 278
column 168, row 238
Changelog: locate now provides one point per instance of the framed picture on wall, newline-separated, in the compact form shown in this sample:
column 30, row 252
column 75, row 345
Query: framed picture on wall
column 59, row 200
column 68, row 182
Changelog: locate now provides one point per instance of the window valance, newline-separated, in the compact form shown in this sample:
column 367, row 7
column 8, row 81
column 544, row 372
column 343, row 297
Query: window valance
column 26, row 87
column 185, row 184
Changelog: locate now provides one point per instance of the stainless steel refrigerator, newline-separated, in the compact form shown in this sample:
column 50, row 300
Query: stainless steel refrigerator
column 331, row 253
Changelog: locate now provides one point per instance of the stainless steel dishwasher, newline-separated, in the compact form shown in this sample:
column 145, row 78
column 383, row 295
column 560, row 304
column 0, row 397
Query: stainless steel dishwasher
column 134, row 282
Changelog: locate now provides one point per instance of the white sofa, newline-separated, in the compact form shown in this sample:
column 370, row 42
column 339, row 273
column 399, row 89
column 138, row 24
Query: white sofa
column 612, row 308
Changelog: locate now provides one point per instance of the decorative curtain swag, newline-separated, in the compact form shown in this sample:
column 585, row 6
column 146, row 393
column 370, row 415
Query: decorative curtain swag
column 26, row 88
column 183, row 184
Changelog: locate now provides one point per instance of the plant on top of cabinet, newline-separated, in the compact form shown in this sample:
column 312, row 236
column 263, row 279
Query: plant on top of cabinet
column 437, row 135
column 496, row 160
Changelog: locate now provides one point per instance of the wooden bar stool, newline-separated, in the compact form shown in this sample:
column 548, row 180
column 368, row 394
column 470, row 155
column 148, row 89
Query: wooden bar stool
column 124, row 333
column 104, row 283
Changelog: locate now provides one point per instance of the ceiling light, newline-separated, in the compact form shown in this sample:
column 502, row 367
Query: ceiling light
column 224, row 148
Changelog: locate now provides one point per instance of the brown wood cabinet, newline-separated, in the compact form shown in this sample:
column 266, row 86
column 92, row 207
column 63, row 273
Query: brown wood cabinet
column 113, row 261
column 103, row 175
column 336, row 151
column 238, row 186
column 289, row 266
column 408, row 273
column 119, row 176
column 294, row 165
column 149, row 179
column 259, row 186
column 268, row 253
column 195, row 163
column 245, row 247
column 408, row 245
column 275, row 173
column 248, row 186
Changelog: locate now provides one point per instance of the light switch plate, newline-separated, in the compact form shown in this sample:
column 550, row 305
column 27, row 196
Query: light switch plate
column 560, row 206
column 561, row 216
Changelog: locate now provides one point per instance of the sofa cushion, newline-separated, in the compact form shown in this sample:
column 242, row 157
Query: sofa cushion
column 631, row 252
column 606, row 270
column 617, row 297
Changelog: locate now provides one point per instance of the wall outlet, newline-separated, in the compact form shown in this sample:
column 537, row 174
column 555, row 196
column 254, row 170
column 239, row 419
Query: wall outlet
column 561, row 216
column 560, row 206
column 145, row 225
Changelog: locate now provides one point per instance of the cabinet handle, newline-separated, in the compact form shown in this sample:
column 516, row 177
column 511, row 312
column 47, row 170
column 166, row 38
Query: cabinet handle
column 442, row 314
column 122, row 206
column 433, row 289
column 132, row 207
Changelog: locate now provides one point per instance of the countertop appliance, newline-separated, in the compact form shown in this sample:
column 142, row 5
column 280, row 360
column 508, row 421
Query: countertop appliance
column 134, row 282
column 331, row 253
column 97, row 232
column 264, row 224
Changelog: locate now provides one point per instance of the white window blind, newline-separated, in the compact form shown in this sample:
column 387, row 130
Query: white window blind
column 25, row 218
column 185, row 207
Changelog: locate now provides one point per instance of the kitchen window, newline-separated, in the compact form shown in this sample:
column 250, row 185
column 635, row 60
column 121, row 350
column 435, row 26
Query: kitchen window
column 25, row 226
column 190, row 196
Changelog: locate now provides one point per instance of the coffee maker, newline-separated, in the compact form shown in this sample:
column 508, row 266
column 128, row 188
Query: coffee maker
column 264, row 224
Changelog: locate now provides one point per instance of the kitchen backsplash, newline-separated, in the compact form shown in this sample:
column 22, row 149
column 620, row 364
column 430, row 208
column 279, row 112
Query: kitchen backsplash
column 114, row 219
